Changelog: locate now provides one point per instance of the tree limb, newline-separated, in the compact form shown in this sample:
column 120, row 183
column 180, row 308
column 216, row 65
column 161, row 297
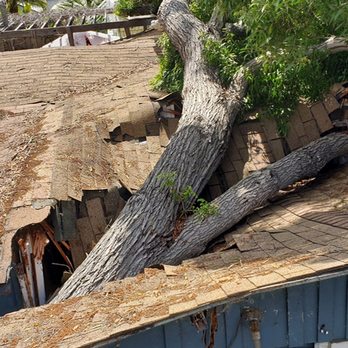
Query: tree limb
column 333, row 44
column 252, row 192
column 142, row 232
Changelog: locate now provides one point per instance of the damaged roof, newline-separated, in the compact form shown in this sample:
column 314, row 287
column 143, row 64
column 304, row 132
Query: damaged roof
column 88, row 121
column 55, row 123
column 304, row 235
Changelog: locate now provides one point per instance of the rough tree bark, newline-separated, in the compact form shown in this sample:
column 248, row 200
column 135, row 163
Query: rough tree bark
column 142, row 235
column 254, row 191
column 144, row 229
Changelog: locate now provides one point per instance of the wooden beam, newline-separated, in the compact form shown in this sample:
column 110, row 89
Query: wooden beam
column 57, row 22
column 128, row 32
column 34, row 41
column 19, row 26
column 44, row 24
column 32, row 25
column 70, row 21
column 41, row 32
column 70, row 36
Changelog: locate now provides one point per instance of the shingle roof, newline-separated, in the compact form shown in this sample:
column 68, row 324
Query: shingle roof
column 53, row 123
column 301, row 236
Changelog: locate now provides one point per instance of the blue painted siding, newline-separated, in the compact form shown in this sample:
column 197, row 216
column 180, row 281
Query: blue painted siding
column 291, row 318
column 10, row 295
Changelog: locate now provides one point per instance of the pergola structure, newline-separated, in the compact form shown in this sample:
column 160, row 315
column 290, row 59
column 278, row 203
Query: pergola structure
column 36, row 30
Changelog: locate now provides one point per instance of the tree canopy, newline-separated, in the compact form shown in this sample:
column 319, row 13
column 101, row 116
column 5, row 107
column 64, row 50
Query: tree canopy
column 24, row 6
column 282, row 34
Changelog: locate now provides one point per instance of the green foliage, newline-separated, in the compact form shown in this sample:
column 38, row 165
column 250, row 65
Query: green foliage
column 22, row 7
column 202, row 9
column 224, row 55
column 278, row 85
column 205, row 209
column 167, row 179
column 202, row 210
column 66, row 4
column 292, row 26
column 136, row 7
column 282, row 34
column 171, row 75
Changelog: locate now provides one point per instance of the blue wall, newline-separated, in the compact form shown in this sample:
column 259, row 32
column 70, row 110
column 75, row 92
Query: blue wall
column 291, row 317
column 10, row 295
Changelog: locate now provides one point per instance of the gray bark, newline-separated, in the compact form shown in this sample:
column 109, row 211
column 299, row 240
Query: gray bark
column 254, row 191
column 144, row 229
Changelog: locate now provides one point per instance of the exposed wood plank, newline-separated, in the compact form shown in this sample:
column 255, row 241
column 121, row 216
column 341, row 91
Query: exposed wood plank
column 304, row 112
column 77, row 252
column 128, row 33
column 311, row 130
column 331, row 104
column 57, row 22
column 50, row 234
column 113, row 202
column 70, row 21
column 96, row 215
column 44, row 24
column 32, row 25
column 86, row 234
column 277, row 149
column 68, row 211
column 321, row 116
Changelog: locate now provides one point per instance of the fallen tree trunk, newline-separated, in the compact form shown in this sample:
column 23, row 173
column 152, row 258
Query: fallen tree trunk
column 144, row 229
column 254, row 191
column 142, row 235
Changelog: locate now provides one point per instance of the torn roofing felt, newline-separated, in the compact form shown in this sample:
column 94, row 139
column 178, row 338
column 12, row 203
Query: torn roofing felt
column 303, row 235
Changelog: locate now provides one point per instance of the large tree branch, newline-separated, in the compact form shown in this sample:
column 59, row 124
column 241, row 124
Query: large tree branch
column 254, row 191
column 333, row 44
column 183, row 28
column 143, row 230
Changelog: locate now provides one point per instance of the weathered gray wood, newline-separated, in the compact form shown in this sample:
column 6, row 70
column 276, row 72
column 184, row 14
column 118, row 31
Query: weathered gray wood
column 70, row 36
column 253, row 192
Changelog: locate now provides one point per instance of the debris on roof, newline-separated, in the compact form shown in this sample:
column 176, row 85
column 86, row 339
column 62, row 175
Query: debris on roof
column 302, row 236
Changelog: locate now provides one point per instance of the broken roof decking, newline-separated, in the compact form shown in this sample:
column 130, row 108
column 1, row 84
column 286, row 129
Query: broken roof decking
column 55, row 151
column 303, row 235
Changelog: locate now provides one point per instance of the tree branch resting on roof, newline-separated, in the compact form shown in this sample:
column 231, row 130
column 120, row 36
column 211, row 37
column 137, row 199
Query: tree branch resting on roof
column 142, row 235
column 254, row 191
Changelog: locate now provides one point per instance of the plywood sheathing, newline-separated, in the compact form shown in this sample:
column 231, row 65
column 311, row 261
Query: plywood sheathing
column 303, row 235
